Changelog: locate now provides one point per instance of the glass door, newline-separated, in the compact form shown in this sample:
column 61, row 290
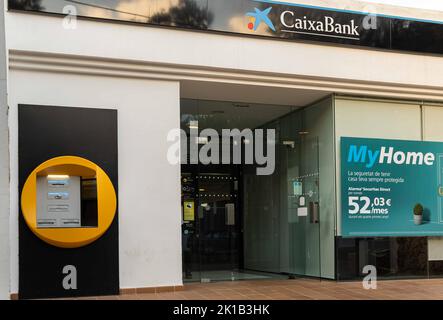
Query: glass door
column 219, row 225
column 190, row 234
column 299, row 199
column 239, row 224
column 303, row 207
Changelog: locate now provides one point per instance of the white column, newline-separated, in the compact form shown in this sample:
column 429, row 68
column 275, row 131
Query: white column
column 4, row 167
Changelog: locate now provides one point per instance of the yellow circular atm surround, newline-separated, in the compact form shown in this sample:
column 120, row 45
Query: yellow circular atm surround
column 70, row 237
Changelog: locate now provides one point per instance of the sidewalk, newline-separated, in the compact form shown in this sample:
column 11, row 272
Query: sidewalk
column 298, row 289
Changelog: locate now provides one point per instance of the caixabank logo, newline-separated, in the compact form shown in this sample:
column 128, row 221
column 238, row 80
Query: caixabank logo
column 295, row 19
column 257, row 17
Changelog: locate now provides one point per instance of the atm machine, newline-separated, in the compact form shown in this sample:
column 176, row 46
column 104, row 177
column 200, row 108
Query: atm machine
column 58, row 201
column 68, row 213
column 65, row 201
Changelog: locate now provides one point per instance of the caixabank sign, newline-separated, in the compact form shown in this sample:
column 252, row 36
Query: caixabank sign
column 327, row 26
column 268, row 18
column 391, row 188
column 302, row 23
column 368, row 29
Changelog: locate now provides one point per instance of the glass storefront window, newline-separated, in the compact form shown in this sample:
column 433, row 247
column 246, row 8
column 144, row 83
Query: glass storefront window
column 234, row 16
column 393, row 257
column 245, row 225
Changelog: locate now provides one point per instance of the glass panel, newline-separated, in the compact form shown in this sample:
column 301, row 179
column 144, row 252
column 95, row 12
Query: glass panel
column 231, row 16
column 219, row 226
column 190, row 243
column 299, row 153
column 303, row 204
column 264, row 235
column 393, row 257
column 282, row 223
column 181, row 13
column 246, row 225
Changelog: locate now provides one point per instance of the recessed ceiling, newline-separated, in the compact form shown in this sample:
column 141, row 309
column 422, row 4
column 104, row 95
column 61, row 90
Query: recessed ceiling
column 250, row 94
column 228, row 115
column 226, row 106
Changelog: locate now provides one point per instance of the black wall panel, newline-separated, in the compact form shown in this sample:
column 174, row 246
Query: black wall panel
column 46, row 132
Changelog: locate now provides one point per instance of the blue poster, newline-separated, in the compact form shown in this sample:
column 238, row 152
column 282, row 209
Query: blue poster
column 391, row 188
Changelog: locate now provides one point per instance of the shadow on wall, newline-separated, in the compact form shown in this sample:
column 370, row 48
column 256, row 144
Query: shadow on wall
column 426, row 215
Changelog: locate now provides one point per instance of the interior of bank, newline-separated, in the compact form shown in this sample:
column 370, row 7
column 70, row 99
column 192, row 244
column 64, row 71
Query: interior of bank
column 238, row 224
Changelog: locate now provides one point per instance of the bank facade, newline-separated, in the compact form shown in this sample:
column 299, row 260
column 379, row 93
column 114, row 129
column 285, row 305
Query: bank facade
column 343, row 102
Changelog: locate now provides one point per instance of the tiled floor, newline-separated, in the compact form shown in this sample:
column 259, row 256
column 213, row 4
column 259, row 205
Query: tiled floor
column 298, row 289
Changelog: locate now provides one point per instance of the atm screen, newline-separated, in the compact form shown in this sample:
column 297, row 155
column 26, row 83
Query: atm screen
column 58, row 201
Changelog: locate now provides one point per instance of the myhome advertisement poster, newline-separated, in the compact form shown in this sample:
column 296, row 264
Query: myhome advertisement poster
column 391, row 187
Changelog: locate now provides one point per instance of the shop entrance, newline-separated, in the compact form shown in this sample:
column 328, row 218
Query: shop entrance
column 212, row 239
column 238, row 224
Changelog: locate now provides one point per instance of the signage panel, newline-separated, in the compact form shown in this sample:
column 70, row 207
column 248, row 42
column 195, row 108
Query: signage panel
column 269, row 18
column 391, row 188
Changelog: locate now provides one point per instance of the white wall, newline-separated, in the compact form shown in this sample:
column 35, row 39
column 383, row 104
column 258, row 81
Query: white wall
column 372, row 119
column 149, row 188
column 432, row 123
column 4, row 169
